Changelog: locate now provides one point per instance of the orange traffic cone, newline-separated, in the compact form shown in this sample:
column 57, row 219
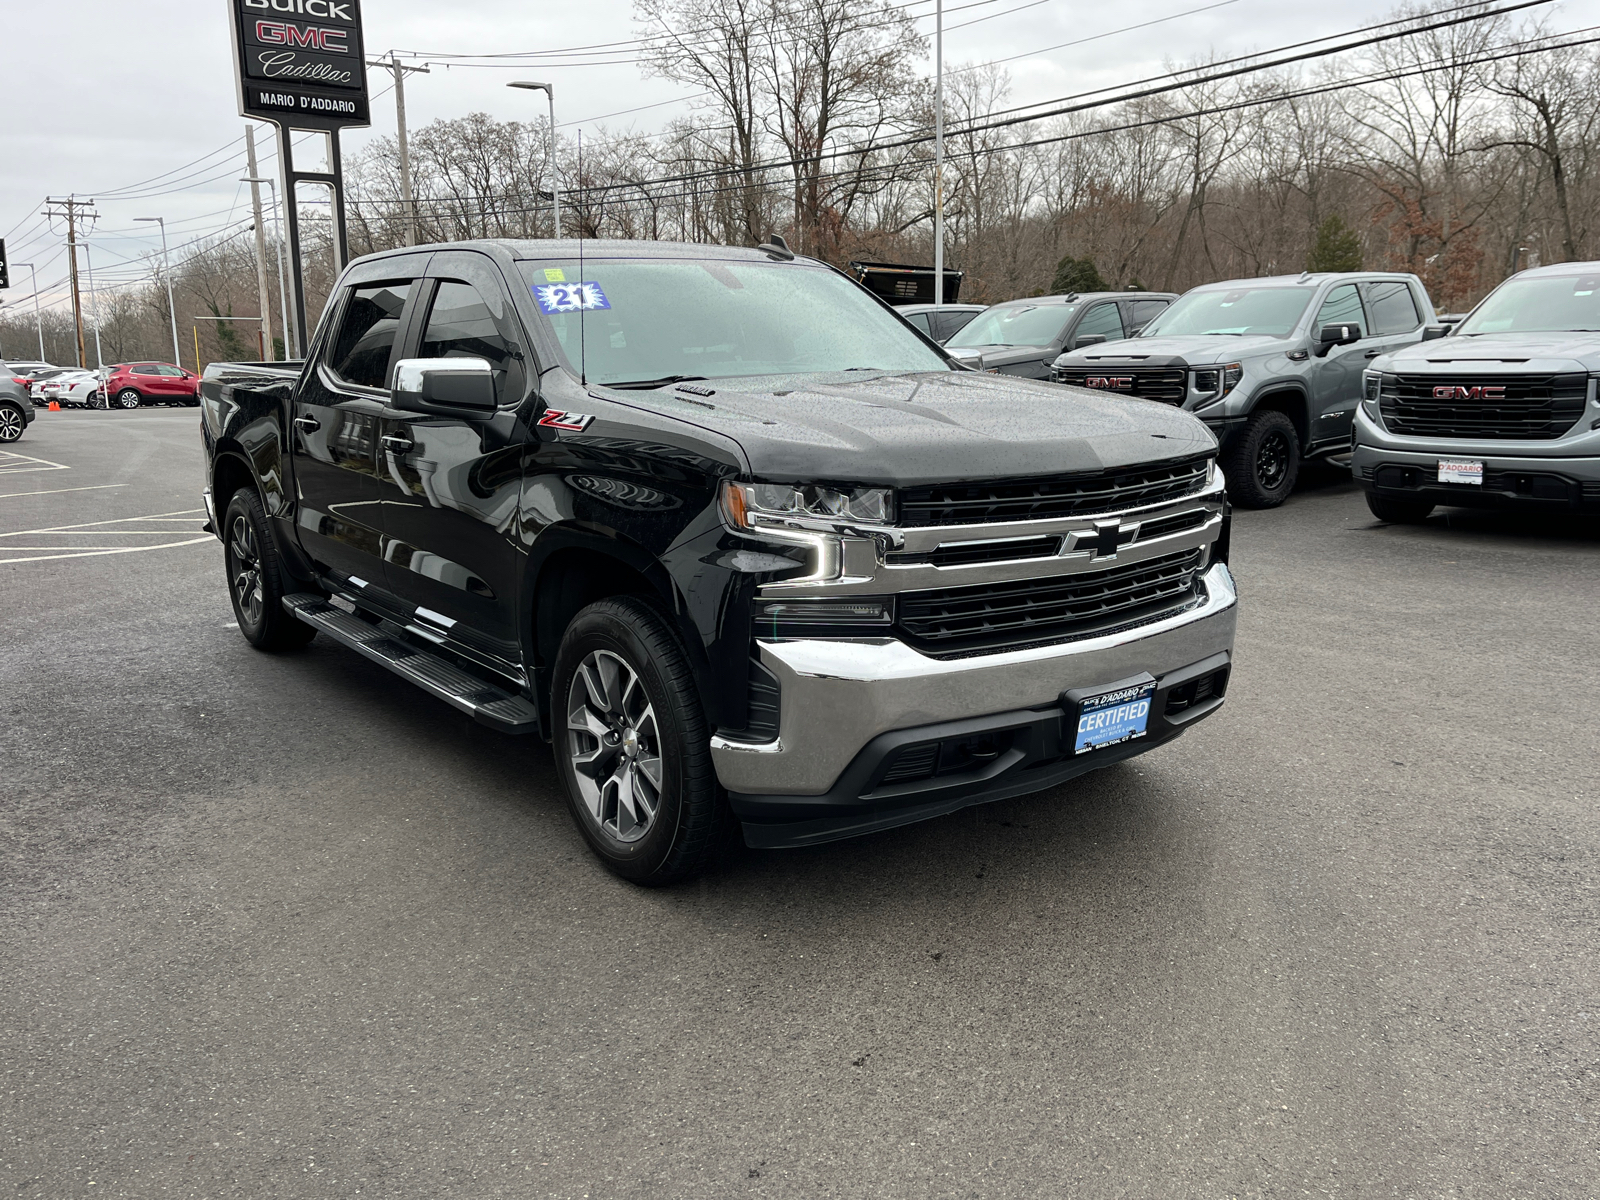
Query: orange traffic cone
column 55, row 406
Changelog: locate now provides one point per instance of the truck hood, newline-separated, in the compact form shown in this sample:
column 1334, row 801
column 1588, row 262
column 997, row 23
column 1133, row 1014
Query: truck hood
column 1200, row 350
column 929, row 427
column 1497, row 354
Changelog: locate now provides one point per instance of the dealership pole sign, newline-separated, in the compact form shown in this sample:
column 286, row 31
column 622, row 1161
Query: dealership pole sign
column 300, row 62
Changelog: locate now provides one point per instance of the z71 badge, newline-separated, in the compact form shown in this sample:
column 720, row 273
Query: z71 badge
column 553, row 419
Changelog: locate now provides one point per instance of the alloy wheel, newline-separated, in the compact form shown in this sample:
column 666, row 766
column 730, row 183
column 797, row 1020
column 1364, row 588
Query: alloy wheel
column 614, row 745
column 1272, row 460
column 11, row 423
column 244, row 570
column 128, row 398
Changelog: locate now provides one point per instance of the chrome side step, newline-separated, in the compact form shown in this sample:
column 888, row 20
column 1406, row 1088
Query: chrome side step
column 485, row 703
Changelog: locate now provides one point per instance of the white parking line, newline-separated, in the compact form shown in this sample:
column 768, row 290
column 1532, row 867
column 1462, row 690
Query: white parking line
column 178, row 515
column 12, row 463
column 120, row 550
column 93, row 487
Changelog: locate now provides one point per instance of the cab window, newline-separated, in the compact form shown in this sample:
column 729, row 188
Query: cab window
column 367, row 328
column 460, row 325
column 1393, row 308
column 1103, row 319
column 1342, row 307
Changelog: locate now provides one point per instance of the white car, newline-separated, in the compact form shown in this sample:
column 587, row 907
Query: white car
column 72, row 389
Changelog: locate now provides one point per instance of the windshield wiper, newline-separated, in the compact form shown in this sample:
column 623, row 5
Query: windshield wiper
column 642, row 384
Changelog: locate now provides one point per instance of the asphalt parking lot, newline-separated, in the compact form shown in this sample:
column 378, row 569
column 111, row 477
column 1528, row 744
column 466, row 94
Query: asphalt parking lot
column 281, row 926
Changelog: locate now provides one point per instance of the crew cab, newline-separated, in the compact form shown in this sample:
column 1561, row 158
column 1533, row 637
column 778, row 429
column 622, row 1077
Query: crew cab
column 745, row 547
column 1273, row 366
column 1497, row 410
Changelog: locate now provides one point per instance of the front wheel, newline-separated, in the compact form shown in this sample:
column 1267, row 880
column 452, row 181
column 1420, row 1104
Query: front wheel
column 633, row 747
column 256, row 577
column 1263, row 461
column 12, row 422
column 128, row 398
column 1398, row 511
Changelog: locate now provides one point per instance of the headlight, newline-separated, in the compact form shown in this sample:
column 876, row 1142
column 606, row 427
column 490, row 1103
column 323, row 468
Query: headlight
column 1371, row 384
column 743, row 502
column 1217, row 382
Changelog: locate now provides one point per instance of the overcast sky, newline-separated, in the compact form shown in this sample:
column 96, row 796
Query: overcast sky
column 104, row 94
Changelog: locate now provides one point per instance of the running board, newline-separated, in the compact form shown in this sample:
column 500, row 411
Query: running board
column 485, row 703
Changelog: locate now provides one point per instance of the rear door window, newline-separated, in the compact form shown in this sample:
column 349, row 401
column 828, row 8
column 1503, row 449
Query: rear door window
column 1342, row 307
column 368, row 326
column 1393, row 307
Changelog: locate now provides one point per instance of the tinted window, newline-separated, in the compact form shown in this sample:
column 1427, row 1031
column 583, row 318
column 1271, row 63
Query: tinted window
column 920, row 320
column 460, row 325
column 1016, row 325
column 1265, row 311
column 947, row 325
column 146, row 369
column 1392, row 308
column 1342, row 307
column 360, row 353
column 1142, row 312
column 1102, row 319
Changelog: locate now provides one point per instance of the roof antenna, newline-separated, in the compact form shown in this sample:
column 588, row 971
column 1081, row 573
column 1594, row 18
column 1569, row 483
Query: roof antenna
column 583, row 296
column 777, row 248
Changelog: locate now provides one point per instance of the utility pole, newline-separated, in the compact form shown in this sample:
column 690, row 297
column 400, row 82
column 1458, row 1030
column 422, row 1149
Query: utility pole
column 38, row 313
column 399, row 69
column 261, row 243
column 88, row 262
column 166, row 271
column 938, row 153
column 73, row 210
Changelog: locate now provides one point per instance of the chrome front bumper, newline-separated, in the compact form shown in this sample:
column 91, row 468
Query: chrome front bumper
column 838, row 695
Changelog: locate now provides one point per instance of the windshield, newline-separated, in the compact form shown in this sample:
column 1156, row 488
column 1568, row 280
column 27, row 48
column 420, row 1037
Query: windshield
column 1015, row 325
column 1268, row 312
column 631, row 321
column 1547, row 304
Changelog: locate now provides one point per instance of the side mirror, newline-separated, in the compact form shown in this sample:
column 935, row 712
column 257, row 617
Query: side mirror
column 448, row 387
column 1336, row 335
column 1432, row 333
column 1087, row 339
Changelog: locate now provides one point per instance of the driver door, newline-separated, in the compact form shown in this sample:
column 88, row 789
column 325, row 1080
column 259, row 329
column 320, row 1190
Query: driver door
column 1336, row 377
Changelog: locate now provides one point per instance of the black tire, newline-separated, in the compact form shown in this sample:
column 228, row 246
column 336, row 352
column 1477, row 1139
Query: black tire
column 129, row 398
column 1263, row 461
column 12, row 422
column 1398, row 511
column 257, row 581
column 690, row 821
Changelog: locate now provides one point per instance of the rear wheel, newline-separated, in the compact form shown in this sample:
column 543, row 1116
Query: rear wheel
column 1398, row 511
column 256, row 577
column 128, row 398
column 12, row 422
column 1263, row 461
column 633, row 746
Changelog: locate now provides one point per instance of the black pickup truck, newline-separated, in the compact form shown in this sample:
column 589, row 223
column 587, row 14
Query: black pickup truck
column 743, row 544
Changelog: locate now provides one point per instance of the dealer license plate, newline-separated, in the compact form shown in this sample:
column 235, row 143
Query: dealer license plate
column 1461, row 470
column 1113, row 717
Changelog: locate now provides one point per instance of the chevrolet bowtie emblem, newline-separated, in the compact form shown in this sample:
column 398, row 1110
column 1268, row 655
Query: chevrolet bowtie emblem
column 1105, row 539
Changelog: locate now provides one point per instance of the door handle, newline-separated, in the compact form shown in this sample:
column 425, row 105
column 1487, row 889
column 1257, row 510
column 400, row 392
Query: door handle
column 396, row 443
column 1372, row 353
column 307, row 424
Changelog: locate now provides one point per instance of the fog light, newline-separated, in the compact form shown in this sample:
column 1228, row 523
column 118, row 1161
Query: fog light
column 825, row 612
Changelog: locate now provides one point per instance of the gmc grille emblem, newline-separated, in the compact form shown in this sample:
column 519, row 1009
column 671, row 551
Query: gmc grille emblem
column 1469, row 393
column 1110, row 383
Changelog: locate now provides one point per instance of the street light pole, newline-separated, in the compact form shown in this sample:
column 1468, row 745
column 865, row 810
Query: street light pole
column 166, row 271
column 38, row 315
column 938, row 153
column 555, row 175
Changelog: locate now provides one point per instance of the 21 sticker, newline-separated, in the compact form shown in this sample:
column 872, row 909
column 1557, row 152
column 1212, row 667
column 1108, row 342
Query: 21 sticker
column 569, row 297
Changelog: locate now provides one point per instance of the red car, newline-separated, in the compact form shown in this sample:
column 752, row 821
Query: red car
column 132, row 384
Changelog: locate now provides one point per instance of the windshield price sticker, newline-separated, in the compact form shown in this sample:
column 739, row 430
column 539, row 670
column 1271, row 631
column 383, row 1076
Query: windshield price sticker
column 1461, row 470
column 1113, row 717
column 569, row 297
